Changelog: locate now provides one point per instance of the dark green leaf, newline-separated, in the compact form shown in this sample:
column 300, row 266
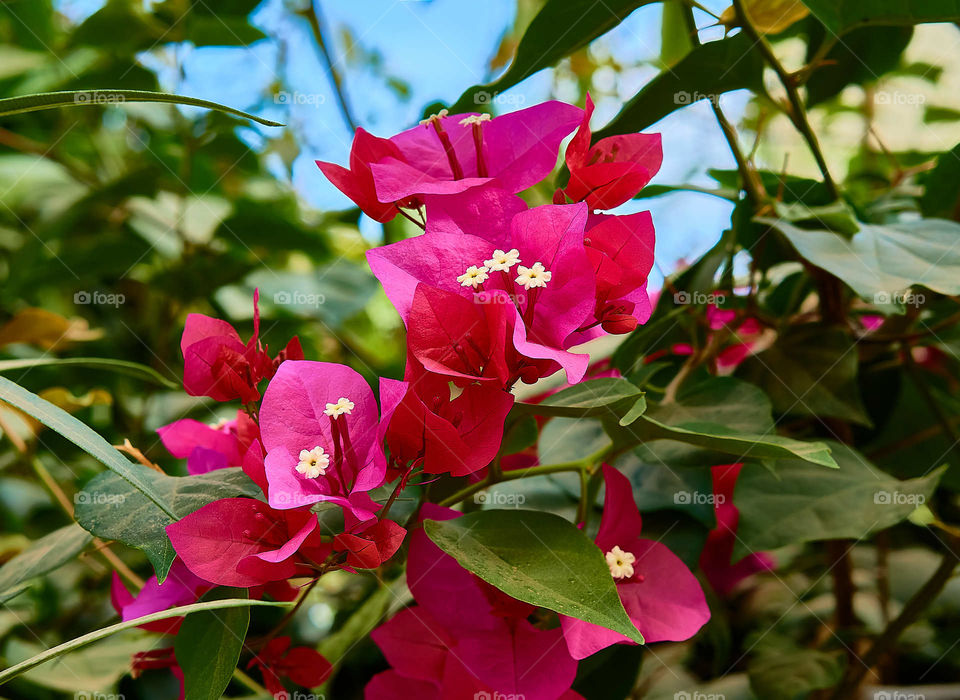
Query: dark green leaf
column 942, row 195
column 801, row 503
column 728, row 416
column 208, row 647
column 83, row 437
column 43, row 556
column 559, row 29
column 794, row 674
column 595, row 397
column 538, row 558
column 862, row 57
column 705, row 73
column 810, row 371
column 110, row 508
column 132, row 369
column 840, row 16
column 74, row 98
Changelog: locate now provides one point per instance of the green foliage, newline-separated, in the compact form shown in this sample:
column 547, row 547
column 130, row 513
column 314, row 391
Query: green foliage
column 539, row 558
column 110, row 507
column 208, row 647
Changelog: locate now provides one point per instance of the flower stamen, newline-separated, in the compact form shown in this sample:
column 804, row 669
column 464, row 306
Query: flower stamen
column 502, row 261
column 533, row 277
column 343, row 406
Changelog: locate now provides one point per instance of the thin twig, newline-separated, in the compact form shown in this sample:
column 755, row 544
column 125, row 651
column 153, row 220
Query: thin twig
column 312, row 15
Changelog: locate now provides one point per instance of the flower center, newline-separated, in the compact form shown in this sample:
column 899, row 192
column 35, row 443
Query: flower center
column 475, row 121
column 620, row 563
column 313, row 463
column 473, row 277
column 502, row 261
column 533, row 277
column 343, row 406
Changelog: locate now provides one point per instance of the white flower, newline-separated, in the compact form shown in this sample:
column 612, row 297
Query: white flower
column 475, row 119
column 341, row 407
column 503, row 261
column 536, row 276
column 620, row 563
column 473, row 277
column 313, row 463
column 434, row 117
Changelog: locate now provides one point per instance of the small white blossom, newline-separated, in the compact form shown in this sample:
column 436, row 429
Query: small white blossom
column 313, row 463
column 341, row 407
column 503, row 261
column 473, row 277
column 536, row 276
column 620, row 563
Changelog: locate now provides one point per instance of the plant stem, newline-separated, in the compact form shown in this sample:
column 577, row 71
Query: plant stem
column 751, row 184
column 586, row 464
column 911, row 612
column 312, row 15
column 797, row 112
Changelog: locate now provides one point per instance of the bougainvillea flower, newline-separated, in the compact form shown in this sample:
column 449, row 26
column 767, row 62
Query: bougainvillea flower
column 465, row 638
column 611, row 171
column 447, row 155
column 216, row 363
column 447, row 429
column 357, row 182
column 323, row 434
column 180, row 587
column 372, row 545
column 302, row 665
column 660, row 594
column 723, row 575
column 154, row 659
column 539, row 263
column 621, row 251
column 209, row 447
column 244, row 542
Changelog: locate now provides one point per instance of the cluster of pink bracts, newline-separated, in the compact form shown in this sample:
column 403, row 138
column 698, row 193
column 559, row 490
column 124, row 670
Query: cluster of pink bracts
column 493, row 293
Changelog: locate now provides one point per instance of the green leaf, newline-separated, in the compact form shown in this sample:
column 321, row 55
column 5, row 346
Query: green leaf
column 595, row 397
column 862, row 57
column 840, row 16
column 83, row 437
column 794, row 673
column 208, row 648
column 810, row 371
column 97, row 668
column 74, row 98
column 658, row 485
column 12, row 672
column 705, row 73
column 724, row 415
column 132, row 369
column 559, row 29
column 48, row 553
column 941, row 197
column 539, row 558
column 803, row 504
column 110, row 508
column 879, row 262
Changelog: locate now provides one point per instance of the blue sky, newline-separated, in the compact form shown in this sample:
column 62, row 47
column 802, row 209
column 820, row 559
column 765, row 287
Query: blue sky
column 438, row 48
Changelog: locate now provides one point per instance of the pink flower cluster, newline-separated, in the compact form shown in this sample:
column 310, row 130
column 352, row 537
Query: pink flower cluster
column 494, row 292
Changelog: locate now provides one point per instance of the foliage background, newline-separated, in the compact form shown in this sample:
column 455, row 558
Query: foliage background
column 118, row 220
